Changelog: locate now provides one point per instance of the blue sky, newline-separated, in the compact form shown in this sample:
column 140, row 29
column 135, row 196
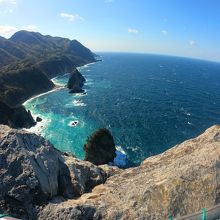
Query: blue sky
column 188, row 28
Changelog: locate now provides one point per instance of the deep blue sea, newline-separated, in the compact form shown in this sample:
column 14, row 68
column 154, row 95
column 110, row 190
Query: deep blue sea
column 149, row 103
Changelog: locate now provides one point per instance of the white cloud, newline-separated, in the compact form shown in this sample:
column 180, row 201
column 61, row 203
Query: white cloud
column 7, row 6
column 7, row 29
column 71, row 17
column 192, row 42
column 164, row 32
column 29, row 27
column 132, row 30
column 13, row 2
column 6, row 11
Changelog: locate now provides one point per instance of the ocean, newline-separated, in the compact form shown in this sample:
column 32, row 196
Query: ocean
column 148, row 102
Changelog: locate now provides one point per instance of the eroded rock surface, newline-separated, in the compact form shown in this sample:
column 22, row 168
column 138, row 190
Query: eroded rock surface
column 76, row 82
column 180, row 181
column 32, row 172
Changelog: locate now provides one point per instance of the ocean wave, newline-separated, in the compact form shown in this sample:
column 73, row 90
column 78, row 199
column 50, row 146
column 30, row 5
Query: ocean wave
column 78, row 102
column 40, row 126
column 82, row 94
column 42, row 94
column 73, row 123
column 121, row 159
column 85, row 66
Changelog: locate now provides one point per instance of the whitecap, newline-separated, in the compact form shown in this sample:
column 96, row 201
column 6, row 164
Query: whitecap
column 40, row 126
column 42, row 94
column 73, row 123
column 121, row 159
column 78, row 102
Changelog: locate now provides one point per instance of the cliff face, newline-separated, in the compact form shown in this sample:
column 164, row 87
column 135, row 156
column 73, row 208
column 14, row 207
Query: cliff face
column 33, row 172
column 28, row 60
column 32, row 60
column 16, row 117
column 75, row 82
column 39, row 182
column 180, row 181
column 18, row 85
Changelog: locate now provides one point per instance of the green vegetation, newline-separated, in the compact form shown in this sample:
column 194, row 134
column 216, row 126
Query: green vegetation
column 28, row 60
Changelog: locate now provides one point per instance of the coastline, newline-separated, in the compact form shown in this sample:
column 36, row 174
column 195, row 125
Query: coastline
column 57, row 87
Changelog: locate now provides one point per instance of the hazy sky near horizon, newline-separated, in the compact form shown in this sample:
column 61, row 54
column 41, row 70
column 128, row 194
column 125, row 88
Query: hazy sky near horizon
column 188, row 28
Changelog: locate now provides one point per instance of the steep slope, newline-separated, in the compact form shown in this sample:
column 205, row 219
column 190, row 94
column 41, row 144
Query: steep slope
column 33, row 172
column 17, row 86
column 28, row 60
column 180, row 181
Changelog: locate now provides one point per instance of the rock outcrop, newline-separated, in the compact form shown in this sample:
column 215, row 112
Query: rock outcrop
column 28, row 60
column 100, row 147
column 15, row 117
column 33, row 172
column 75, row 82
column 180, row 181
column 39, row 182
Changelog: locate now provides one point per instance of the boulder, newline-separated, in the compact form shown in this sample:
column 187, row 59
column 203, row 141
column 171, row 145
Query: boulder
column 100, row 147
column 38, row 119
column 32, row 172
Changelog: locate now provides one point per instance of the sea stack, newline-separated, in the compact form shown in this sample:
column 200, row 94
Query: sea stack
column 100, row 147
column 76, row 82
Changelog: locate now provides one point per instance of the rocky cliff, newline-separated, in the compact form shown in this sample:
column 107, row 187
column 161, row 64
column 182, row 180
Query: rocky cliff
column 37, row 181
column 75, row 82
column 33, row 173
column 28, row 60
column 15, row 117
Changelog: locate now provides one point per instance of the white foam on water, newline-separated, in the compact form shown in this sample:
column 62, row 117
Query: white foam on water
column 85, row 66
column 121, row 158
column 78, row 102
column 82, row 94
column 73, row 123
column 40, row 126
column 42, row 94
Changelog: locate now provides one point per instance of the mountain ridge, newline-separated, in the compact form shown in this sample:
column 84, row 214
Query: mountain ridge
column 28, row 61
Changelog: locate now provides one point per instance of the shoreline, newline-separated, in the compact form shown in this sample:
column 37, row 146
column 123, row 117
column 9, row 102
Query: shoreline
column 57, row 87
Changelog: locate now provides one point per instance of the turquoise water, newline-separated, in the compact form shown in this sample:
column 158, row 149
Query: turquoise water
column 149, row 103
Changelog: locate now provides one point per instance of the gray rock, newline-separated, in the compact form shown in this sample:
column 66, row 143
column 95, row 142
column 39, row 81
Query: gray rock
column 180, row 181
column 69, row 211
column 76, row 82
column 32, row 172
column 84, row 175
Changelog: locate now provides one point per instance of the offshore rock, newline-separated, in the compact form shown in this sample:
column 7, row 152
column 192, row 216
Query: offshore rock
column 76, row 82
column 32, row 172
column 100, row 147
column 178, row 182
column 38, row 119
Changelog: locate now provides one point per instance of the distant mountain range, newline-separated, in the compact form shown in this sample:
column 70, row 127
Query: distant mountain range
column 28, row 60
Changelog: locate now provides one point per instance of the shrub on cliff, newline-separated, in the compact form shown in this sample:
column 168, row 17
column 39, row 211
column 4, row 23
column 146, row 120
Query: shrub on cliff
column 100, row 147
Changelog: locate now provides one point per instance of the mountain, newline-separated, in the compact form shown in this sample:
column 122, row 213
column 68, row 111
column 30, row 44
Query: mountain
column 28, row 60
